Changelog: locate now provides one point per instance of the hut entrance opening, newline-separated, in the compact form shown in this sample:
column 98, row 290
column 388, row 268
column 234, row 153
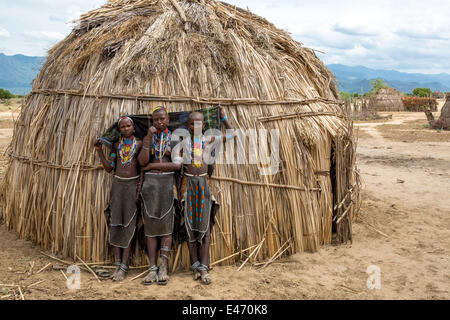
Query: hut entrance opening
column 345, row 195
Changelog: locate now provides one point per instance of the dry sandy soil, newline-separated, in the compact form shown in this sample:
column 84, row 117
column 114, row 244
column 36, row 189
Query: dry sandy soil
column 403, row 229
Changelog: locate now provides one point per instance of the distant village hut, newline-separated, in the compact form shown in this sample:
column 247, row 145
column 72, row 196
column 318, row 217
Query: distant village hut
column 445, row 113
column 443, row 123
column 418, row 104
column 438, row 95
column 387, row 99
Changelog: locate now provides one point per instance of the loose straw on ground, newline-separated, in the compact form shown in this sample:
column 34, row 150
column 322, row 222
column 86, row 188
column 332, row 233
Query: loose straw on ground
column 35, row 284
column 57, row 259
column 90, row 270
column 367, row 224
column 139, row 275
column 8, row 285
column 253, row 252
column 233, row 255
column 276, row 255
column 84, row 264
column 65, row 277
column 21, row 294
column 31, row 268
column 44, row 268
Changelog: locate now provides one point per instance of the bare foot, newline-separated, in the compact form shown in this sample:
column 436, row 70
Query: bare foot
column 204, row 275
column 206, row 278
column 121, row 273
column 115, row 272
column 163, row 277
column 152, row 276
column 194, row 267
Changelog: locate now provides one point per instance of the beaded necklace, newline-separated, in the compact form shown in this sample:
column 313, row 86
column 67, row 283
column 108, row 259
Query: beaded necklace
column 196, row 150
column 160, row 143
column 127, row 148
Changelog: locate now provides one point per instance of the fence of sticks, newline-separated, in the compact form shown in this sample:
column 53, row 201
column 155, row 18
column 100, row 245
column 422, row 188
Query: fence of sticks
column 128, row 57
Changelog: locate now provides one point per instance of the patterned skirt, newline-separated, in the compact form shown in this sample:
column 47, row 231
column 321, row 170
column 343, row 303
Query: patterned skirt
column 198, row 202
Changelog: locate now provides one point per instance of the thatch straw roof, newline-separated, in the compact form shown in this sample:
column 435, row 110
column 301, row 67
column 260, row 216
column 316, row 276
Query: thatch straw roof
column 444, row 119
column 417, row 104
column 387, row 99
column 445, row 111
column 438, row 95
column 129, row 56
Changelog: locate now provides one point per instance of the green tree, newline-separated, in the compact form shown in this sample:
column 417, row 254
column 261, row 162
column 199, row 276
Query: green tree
column 376, row 85
column 422, row 92
column 5, row 94
column 347, row 97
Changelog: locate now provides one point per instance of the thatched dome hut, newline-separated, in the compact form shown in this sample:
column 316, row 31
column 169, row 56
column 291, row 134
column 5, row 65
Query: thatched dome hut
column 444, row 118
column 387, row 99
column 438, row 95
column 445, row 111
column 443, row 123
column 129, row 56
column 418, row 104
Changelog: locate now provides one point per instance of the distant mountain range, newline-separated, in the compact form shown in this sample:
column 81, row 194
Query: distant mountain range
column 357, row 79
column 17, row 72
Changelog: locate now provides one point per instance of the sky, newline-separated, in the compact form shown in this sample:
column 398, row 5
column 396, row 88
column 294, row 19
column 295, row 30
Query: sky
column 403, row 35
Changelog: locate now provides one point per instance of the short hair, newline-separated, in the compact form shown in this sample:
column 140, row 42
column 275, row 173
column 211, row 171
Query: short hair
column 196, row 113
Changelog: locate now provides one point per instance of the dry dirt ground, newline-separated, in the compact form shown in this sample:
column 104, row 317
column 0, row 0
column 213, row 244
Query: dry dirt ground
column 404, row 230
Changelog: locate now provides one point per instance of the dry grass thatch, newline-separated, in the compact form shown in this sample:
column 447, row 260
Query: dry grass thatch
column 129, row 56
column 358, row 110
column 417, row 104
column 387, row 99
column 443, row 123
column 445, row 111
column 438, row 95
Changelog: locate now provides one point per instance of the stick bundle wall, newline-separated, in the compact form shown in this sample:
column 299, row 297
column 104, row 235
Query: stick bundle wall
column 417, row 104
column 387, row 99
column 54, row 191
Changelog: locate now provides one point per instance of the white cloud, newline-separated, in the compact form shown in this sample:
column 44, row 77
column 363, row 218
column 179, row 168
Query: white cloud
column 423, row 33
column 4, row 33
column 45, row 35
column 37, row 25
column 73, row 13
column 403, row 34
column 355, row 30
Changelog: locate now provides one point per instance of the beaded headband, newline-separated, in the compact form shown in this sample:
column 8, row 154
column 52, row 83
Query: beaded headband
column 125, row 118
column 159, row 108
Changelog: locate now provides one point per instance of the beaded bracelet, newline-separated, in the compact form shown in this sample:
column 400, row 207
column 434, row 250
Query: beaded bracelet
column 224, row 119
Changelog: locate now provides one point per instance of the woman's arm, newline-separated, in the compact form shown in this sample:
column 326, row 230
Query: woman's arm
column 224, row 119
column 228, row 126
column 163, row 166
column 108, row 165
column 145, row 156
